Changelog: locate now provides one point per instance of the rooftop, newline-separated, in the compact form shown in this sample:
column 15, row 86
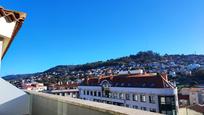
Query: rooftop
column 146, row 80
column 11, row 21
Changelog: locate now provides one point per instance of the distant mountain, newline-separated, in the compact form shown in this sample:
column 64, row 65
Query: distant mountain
column 18, row 76
column 139, row 58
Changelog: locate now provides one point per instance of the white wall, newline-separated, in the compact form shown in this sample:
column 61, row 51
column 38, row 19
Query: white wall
column 146, row 91
column 157, row 91
column 6, row 29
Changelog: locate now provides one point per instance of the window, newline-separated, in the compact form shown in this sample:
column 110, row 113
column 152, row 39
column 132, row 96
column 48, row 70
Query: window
column 143, row 108
column 127, row 105
column 110, row 95
column 152, row 110
column 168, row 100
column 81, row 92
column 114, row 95
column 91, row 93
column 105, row 84
column 121, row 96
column 162, row 100
column 94, row 93
column 151, row 99
column 84, row 92
column 164, row 112
column 135, row 106
column 172, row 100
column 118, row 95
column 122, row 84
column 169, row 113
column 87, row 92
column 127, row 96
column 143, row 98
column 135, row 97
column 99, row 94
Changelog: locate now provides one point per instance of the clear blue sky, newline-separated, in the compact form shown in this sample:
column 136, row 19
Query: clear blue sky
column 79, row 31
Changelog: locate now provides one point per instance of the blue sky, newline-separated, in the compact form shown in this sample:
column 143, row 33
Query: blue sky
column 79, row 31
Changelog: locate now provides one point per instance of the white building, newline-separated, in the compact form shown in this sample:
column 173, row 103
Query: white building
column 150, row 92
column 139, row 71
column 193, row 66
column 66, row 92
column 34, row 86
column 196, row 95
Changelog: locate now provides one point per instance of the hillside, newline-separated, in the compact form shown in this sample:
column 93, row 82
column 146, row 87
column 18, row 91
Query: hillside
column 141, row 57
column 149, row 60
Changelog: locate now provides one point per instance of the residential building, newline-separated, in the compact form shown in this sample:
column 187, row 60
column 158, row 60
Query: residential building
column 66, row 92
column 69, row 89
column 146, row 91
column 34, row 86
column 183, row 100
column 196, row 95
column 61, row 86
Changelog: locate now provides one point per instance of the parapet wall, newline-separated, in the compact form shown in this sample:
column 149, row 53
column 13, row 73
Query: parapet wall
column 47, row 104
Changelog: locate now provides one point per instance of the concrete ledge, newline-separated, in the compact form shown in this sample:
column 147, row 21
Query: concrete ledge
column 105, row 109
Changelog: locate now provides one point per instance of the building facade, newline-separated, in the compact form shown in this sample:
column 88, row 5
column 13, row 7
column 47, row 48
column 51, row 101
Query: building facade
column 196, row 95
column 151, row 92
column 34, row 86
column 64, row 89
column 66, row 92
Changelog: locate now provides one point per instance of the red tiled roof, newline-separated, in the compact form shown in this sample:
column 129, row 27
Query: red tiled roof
column 134, row 80
column 11, row 16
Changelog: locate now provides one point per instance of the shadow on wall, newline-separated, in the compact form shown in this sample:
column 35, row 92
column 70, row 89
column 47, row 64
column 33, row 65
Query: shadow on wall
column 17, row 106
